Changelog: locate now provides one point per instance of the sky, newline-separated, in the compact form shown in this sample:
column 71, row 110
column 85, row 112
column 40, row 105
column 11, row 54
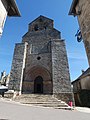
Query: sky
column 16, row 27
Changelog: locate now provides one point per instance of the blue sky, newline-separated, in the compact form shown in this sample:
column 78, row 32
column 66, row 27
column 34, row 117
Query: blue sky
column 57, row 10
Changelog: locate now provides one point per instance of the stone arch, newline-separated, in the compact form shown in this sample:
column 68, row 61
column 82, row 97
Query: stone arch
column 38, row 71
column 32, row 74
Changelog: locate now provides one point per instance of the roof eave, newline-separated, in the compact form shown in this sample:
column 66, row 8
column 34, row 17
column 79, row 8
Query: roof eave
column 83, row 75
column 75, row 81
column 72, row 8
column 12, row 8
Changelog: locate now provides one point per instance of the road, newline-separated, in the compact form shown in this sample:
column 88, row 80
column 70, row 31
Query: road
column 14, row 111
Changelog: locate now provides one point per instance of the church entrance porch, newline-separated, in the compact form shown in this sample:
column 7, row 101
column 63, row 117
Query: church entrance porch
column 38, row 85
column 37, row 80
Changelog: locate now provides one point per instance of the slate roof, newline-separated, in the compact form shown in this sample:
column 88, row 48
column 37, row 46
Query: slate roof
column 84, row 74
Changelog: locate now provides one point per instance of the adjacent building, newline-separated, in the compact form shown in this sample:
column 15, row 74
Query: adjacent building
column 81, row 86
column 40, row 64
column 81, row 9
column 81, row 89
column 7, row 8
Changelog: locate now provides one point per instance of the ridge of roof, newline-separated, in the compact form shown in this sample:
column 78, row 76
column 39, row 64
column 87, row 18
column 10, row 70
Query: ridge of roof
column 41, row 16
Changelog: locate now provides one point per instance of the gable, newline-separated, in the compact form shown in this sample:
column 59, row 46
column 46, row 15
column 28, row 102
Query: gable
column 41, row 23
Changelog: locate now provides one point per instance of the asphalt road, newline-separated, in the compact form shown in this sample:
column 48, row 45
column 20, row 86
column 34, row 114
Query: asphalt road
column 14, row 111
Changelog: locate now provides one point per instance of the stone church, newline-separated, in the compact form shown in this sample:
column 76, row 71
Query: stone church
column 40, row 64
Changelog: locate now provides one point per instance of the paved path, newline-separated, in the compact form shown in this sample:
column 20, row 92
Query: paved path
column 13, row 111
column 83, row 109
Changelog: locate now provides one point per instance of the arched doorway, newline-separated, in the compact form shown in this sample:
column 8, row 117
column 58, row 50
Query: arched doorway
column 37, row 80
column 38, row 85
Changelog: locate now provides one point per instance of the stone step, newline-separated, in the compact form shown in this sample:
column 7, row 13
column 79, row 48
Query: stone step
column 50, row 105
column 38, row 100
column 41, row 100
column 46, row 104
column 28, row 96
column 28, row 102
column 36, row 95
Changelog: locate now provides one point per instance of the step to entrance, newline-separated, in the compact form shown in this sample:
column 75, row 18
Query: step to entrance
column 41, row 100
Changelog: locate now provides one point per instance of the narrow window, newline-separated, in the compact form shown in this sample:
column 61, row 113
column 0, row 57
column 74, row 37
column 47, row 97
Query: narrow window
column 36, row 28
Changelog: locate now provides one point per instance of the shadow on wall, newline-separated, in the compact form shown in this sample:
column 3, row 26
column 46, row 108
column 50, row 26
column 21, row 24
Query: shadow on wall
column 82, row 98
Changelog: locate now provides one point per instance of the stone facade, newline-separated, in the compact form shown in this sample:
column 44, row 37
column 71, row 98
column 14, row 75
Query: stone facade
column 40, row 62
column 18, row 65
column 80, row 8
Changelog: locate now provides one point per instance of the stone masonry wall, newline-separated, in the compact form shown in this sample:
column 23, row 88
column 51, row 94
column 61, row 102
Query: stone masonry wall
column 37, row 36
column 60, row 69
column 84, row 23
column 18, row 64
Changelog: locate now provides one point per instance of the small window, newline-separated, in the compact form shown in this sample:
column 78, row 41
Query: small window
column 45, row 27
column 40, row 20
column 36, row 28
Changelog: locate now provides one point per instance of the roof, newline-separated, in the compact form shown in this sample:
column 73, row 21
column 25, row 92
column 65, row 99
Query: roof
column 72, row 8
column 84, row 74
column 12, row 8
column 41, row 17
